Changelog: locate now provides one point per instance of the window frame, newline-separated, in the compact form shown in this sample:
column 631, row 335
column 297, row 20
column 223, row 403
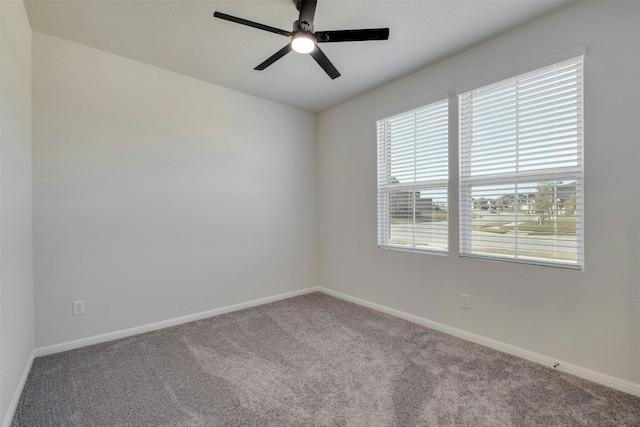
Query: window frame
column 467, row 181
column 386, row 188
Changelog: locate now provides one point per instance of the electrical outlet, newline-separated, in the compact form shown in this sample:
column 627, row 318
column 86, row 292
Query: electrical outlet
column 465, row 301
column 78, row 308
column 303, row 269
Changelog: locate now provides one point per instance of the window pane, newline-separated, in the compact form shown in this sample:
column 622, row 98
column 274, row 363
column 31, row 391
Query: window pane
column 418, row 218
column 532, row 221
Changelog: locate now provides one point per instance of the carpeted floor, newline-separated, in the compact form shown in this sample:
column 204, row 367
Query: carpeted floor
column 312, row 360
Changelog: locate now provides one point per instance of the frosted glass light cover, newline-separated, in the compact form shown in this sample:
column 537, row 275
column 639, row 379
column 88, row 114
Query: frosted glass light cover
column 303, row 43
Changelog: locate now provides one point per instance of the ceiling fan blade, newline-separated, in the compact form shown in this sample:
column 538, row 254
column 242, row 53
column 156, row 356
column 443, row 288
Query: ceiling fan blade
column 251, row 23
column 324, row 62
column 352, row 35
column 273, row 58
column 307, row 11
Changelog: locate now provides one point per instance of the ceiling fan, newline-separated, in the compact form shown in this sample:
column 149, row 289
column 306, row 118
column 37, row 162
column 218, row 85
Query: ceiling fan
column 305, row 40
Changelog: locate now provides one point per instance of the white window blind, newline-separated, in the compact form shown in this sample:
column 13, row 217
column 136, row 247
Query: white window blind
column 413, row 178
column 521, row 167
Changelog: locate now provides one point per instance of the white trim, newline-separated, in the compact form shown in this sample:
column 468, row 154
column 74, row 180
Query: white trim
column 110, row 336
column 580, row 50
column 11, row 411
column 578, row 371
column 411, row 106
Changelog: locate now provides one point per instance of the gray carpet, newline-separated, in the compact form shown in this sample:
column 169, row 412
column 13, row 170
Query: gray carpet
column 312, row 360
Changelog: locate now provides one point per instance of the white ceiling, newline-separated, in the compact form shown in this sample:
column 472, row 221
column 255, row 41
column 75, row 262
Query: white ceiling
column 183, row 36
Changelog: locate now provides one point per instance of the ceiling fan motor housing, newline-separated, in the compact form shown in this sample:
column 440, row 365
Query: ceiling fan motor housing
column 302, row 26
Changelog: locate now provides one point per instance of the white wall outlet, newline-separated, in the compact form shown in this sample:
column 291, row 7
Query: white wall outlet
column 78, row 308
column 303, row 269
column 465, row 301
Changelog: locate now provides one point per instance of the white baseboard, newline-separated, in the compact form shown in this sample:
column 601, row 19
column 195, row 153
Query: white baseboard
column 596, row 377
column 578, row 371
column 11, row 411
column 83, row 342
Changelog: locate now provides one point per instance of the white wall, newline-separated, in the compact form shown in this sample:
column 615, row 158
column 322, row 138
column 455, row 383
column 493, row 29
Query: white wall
column 158, row 196
column 16, row 261
column 591, row 318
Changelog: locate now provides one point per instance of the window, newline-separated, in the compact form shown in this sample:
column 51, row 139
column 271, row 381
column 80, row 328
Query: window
column 521, row 179
column 413, row 179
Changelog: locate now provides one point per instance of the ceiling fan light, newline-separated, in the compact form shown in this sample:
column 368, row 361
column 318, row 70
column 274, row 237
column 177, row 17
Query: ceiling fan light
column 303, row 43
